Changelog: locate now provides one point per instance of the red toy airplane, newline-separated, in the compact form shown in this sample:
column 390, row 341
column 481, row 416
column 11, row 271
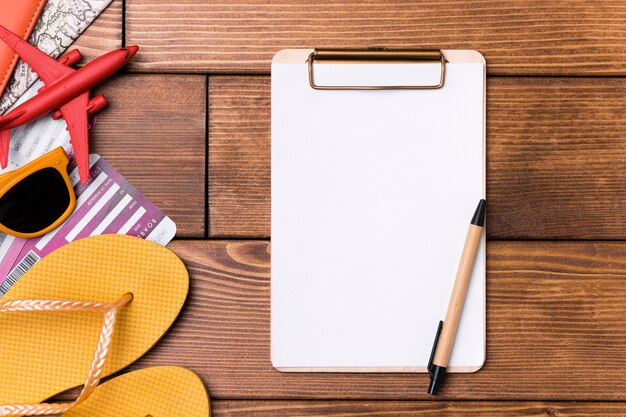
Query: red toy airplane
column 66, row 89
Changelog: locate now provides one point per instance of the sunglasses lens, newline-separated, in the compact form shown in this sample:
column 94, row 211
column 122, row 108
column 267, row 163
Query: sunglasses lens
column 35, row 202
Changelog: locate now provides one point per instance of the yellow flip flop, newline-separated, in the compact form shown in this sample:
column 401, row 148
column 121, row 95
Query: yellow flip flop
column 163, row 391
column 114, row 295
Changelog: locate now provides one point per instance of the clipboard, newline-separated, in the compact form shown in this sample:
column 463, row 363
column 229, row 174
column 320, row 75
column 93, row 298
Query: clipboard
column 378, row 158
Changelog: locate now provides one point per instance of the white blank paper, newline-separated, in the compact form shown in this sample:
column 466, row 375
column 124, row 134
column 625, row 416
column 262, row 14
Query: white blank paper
column 372, row 194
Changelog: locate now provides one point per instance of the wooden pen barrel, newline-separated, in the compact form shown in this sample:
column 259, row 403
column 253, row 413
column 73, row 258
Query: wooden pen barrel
column 461, row 283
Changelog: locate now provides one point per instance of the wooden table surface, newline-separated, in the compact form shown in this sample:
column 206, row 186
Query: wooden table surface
column 189, row 125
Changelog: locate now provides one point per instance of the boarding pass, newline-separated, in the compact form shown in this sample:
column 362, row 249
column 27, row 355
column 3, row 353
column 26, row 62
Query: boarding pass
column 106, row 204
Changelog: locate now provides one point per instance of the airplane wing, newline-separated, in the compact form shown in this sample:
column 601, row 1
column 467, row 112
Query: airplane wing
column 5, row 137
column 75, row 114
column 48, row 68
column 5, row 140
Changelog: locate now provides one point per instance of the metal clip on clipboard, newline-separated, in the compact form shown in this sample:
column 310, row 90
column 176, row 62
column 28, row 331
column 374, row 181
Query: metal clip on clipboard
column 377, row 55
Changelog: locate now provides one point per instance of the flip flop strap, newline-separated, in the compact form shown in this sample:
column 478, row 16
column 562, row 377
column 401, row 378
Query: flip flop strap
column 97, row 365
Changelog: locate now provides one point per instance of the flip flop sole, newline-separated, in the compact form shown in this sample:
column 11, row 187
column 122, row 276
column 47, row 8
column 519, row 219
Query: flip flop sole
column 164, row 391
column 45, row 353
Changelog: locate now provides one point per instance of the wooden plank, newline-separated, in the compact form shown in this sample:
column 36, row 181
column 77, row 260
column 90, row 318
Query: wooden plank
column 555, row 157
column 153, row 133
column 555, row 328
column 103, row 35
column 412, row 408
column 530, row 37
column 239, row 157
column 556, row 152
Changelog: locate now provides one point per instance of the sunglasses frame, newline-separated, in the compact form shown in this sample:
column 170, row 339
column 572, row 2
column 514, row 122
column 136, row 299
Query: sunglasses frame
column 56, row 159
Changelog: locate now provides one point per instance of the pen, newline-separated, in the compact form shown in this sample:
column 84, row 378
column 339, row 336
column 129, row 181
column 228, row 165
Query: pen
column 446, row 331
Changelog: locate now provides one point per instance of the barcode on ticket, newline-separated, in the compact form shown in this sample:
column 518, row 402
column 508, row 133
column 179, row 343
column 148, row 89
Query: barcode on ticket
column 3, row 237
column 29, row 260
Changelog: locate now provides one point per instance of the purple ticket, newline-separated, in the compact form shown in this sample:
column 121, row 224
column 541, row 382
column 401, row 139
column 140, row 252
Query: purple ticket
column 106, row 204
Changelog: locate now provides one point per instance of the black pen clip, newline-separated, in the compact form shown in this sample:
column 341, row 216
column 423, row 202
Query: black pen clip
column 434, row 349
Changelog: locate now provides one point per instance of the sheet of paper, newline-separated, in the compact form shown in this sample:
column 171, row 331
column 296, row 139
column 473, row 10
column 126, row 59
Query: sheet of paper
column 61, row 22
column 106, row 204
column 39, row 137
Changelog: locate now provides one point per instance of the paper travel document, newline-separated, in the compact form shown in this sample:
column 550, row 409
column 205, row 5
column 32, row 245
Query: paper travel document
column 36, row 138
column 61, row 22
column 106, row 204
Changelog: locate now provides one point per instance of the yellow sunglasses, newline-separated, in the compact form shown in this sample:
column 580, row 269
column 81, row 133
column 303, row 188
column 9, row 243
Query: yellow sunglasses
column 37, row 197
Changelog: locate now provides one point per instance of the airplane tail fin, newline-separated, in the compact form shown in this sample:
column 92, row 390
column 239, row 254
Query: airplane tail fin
column 5, row 139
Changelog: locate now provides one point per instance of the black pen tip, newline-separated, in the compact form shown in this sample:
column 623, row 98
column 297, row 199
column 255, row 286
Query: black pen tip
column 433, row 388
column 479, row 214
column 437, row 374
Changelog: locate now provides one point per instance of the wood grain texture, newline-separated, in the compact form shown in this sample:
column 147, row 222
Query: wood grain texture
column 555, row 328
column 530, row 37
column 411, row 408
column 153, row 133
column 239, row 157
column 103, row 35
column 556, row 170
column 556, row 158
